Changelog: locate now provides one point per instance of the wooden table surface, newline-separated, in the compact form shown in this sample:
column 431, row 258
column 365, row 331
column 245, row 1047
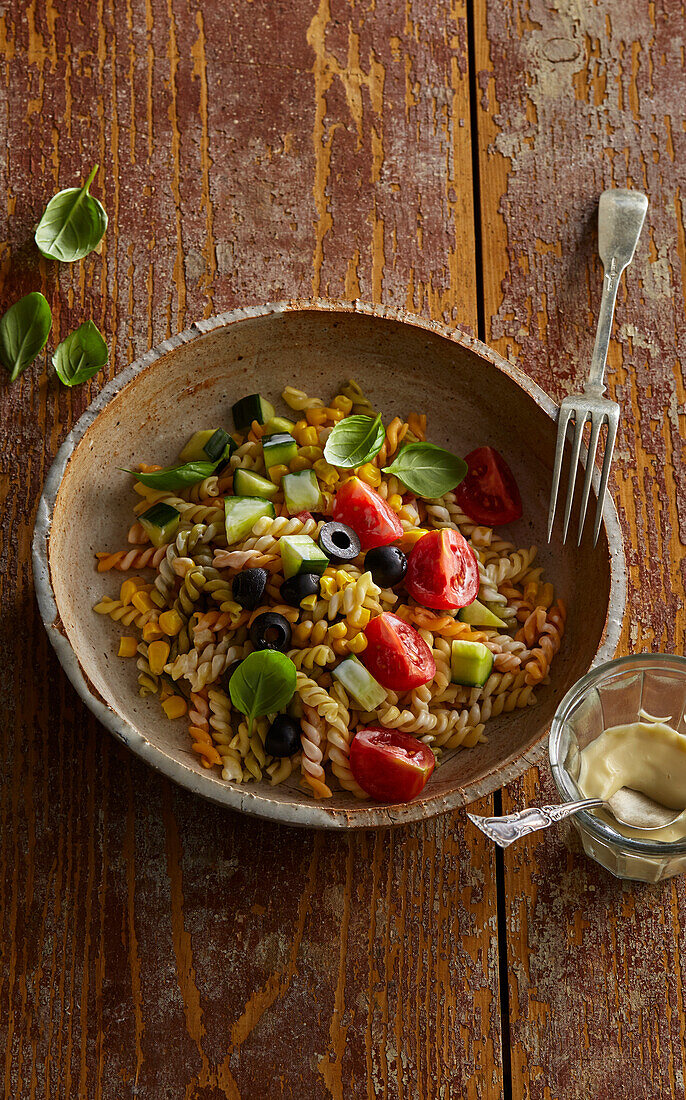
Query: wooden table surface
column 446, row 156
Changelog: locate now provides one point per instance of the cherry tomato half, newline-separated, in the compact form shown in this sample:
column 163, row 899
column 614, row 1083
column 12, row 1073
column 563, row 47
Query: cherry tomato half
column 358, row 505
column 390, row 766
column 396, row 655
column 489, row 492
column 442, row 571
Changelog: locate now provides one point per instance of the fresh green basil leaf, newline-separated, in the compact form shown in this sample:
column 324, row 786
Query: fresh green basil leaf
column 73, row 224
column 354, row 441
column 263, row 683
column 176, row 477
column 80, row 355
column 24, row 331
column 427, row 470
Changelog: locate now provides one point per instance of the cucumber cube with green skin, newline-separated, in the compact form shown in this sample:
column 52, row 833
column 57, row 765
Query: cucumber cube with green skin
column 477, row 614
column 249, row 484
column 208, row 445
column 359, row 683
column 160, row 523
column 300, row 554
column 242, row 513
column 253, row 407
column 301, row 492
column 279, row 449
column 470, row 663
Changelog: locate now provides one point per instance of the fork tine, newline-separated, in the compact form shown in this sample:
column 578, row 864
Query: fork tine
column 564, row 416
column 612, row 422
column 596, row 426
column 580, row 420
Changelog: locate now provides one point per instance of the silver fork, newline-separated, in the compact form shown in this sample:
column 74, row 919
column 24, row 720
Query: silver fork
column 620, row 220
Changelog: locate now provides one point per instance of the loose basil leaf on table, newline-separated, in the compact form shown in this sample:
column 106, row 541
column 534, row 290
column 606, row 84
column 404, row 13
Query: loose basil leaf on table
column 263, row 683
column 24, row 331
column 80, row 355
column 427, row 470
column 73, row 224
column 354, row 441
column 176, row 477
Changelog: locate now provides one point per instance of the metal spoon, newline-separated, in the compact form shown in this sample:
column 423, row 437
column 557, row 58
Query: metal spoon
column 505, row 830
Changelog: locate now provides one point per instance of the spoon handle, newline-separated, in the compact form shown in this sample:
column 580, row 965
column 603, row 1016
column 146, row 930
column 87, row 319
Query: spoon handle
column 505, row 830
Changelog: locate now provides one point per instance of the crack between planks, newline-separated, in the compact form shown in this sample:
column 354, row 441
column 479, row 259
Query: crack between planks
column 501, row 911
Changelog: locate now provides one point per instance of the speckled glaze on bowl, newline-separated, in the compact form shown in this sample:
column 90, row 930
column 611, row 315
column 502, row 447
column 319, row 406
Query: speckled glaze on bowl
column 471, row 395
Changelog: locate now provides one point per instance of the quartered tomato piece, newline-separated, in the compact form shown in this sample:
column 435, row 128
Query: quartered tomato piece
column 489, row 492
column 358, row 505
column 390, row 766
column 442, row 571
column 396, row 655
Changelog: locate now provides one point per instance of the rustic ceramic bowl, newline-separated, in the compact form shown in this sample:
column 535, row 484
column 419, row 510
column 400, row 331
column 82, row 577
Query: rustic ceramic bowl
column 472, row 397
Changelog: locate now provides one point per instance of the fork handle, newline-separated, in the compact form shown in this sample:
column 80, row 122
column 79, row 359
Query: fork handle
column 620, row 220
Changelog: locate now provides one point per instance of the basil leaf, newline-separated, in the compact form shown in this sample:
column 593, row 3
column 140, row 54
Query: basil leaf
column 354, row 441
column 427, row 470
column 73, row 224
column 24, row 331
column 176, row 477
column 263, row 683
column 80, row 355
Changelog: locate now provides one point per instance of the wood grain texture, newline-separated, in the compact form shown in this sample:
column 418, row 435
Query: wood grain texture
column 154, row 946
column 573, row 99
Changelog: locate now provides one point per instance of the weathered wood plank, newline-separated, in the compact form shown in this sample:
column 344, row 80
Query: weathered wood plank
column 153, row 945
column 572, row 100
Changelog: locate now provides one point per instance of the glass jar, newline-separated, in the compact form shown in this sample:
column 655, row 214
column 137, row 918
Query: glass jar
column 611, row 695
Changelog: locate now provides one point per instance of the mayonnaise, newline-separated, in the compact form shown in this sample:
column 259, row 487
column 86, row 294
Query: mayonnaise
column 645, row 756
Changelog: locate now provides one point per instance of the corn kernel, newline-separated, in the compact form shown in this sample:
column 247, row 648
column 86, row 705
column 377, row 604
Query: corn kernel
column 157, row 656
column 277, row 472
column 142, row 602
column 298, row 463
column 152, row 631
column 363, row 616
column 306, row 436
column 128, row 647
column 326, row 472
column 128, row 590
column 357, row 644
column 316, row 416
column 313, row 454
column 309, row 603
column 334, row 414
column 174, row 706
column 408, row 539
column 343, row 578
column 342, row 402
column 369, row 473
column 395, row 501
column 327, row 586
column 170, row 623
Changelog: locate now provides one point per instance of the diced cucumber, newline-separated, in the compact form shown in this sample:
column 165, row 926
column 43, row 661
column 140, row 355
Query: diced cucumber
column 242, row 513
column 160, row 522
column 359, row 683
column 279, row 424
column 208, row 445
column 253, row 407
column 279, row 449
column 248, row 484
column 301, row 492
column 300, row 554
column 470, row 663
column 477, row 614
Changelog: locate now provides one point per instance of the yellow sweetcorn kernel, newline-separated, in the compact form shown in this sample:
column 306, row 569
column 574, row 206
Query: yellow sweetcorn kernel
column 363, row 616
column 309, row 603
column 128, row 647
column 326, row 473
column 316, row 416
column 170, row 623
column 174, row 706
column 142, row 602
column 152, row 631
column 343, row 403
column 395, row 501
column 357, row 644
column 369, row 473
column 408, row 539
column 277, row 472
column 338, row 630
column 158, row 653
column 311, row 453
column 128, row 590
column 343, row 578
column 299, row 463
column 334, row 414
column 327, row 586
column 306, row 436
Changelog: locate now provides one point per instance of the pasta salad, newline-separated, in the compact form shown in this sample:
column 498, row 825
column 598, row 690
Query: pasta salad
column 325, row 596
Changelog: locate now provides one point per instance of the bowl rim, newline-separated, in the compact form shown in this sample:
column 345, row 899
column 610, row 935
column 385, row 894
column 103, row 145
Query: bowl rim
column 313, row 814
